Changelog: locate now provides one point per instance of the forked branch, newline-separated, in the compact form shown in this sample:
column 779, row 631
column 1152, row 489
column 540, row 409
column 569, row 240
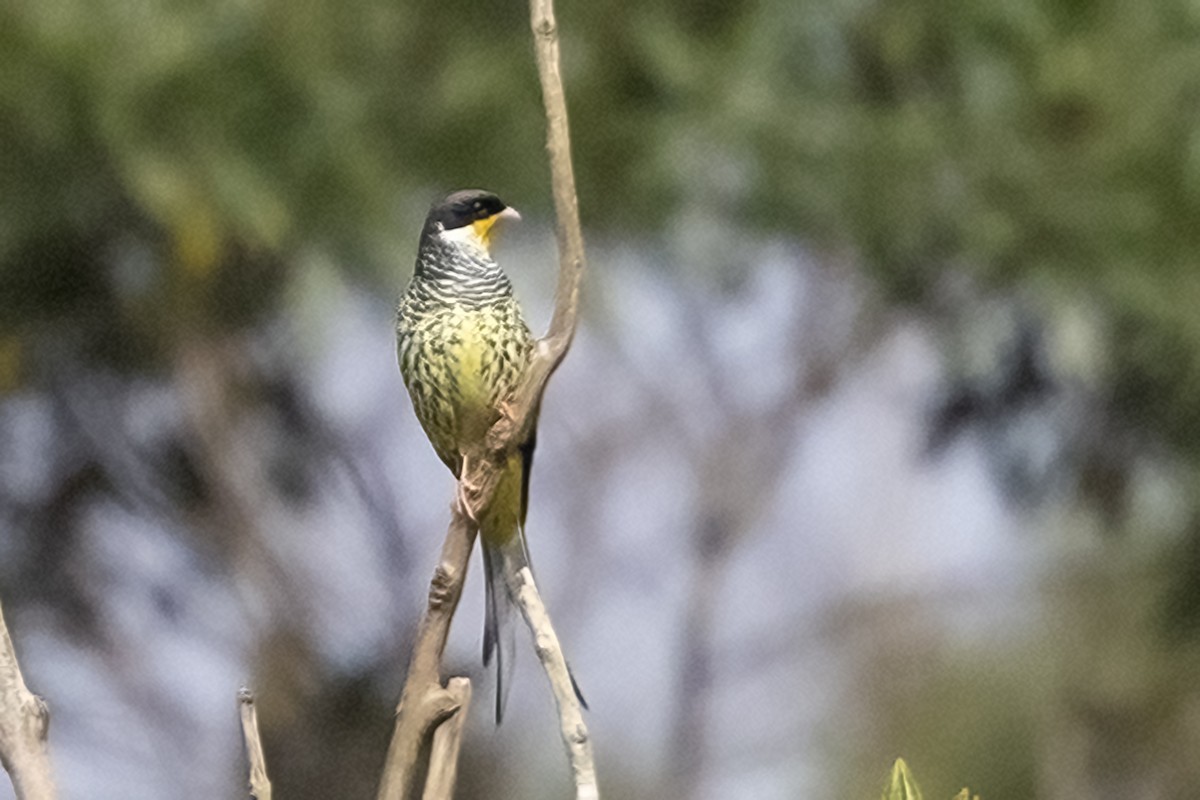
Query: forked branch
column 424, row 702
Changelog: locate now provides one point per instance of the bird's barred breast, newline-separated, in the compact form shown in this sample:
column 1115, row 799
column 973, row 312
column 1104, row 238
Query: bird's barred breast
column 459, row 362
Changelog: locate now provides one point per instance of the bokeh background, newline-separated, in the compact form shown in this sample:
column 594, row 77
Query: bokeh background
column 880, row 436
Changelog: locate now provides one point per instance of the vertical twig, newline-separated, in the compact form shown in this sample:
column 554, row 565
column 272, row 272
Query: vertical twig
column 260, row 784
column 24, row 725
column 447, row 741
column 562, row 175
column 570, row 715
column 552, row 348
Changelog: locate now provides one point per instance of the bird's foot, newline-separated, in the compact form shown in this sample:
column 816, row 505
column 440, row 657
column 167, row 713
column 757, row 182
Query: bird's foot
column 467, row 491
column 465, row 504
column 502, row 429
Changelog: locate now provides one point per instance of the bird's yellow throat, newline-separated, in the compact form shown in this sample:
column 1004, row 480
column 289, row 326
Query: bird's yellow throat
column 483, row 230
column 478, row 234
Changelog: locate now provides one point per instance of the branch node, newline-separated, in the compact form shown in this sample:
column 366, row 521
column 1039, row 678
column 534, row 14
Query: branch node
column 441, row 704
column 39, row 715
column 441, row 588
column 579, row 736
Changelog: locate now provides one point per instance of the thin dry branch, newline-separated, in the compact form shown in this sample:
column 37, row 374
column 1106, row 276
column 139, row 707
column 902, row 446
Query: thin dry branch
column 447, row 741
column 566, row 202
column 424, row 702
column 515, row 425
column 24, row 725
column 551, row 350
column 260, row 784
column 570, row 716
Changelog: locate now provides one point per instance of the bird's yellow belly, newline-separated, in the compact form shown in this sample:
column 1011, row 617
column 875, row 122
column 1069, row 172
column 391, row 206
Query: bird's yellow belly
column 471, row 355
column 474, row 353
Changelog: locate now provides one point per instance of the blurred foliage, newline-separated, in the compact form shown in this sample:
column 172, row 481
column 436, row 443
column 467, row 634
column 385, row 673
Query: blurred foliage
column 169, row 167
column 1090, row 698
column 168, row 162
column 957, row 709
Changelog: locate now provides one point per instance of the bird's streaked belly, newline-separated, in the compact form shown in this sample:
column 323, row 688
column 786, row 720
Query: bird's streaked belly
column 474, row 351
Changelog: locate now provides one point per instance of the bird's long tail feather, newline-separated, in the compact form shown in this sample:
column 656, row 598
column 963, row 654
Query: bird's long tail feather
column 499, row 637
column 505, row 554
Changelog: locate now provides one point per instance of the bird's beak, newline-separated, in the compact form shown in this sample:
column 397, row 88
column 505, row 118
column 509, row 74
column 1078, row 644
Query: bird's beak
column 485, row 228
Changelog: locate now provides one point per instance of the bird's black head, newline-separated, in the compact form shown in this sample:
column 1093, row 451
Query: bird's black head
column 467, row 217
column 465, row 207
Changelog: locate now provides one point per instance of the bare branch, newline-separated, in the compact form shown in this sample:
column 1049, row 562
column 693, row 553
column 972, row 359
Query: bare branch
column 423, row 701
column 570, row 715
column 447, row 741
column 260, row 784
column 518, row 416
column 562, row 174
column 24, row 725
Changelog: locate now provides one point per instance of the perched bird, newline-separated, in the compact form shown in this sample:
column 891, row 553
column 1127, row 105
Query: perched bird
column 463, row 348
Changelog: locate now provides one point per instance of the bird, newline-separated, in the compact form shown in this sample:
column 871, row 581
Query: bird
column 464, row 347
